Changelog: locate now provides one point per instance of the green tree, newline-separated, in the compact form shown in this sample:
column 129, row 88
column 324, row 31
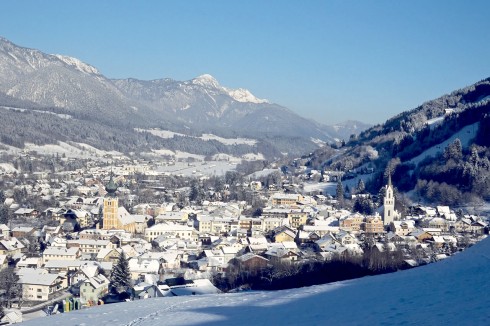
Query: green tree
column 454, row 151
column 120, row 278
column 9, row 284
column 4, row 214
column 361, row 187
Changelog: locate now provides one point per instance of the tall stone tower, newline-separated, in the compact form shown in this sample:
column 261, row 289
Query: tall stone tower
column 389, row 203
column 111, row 204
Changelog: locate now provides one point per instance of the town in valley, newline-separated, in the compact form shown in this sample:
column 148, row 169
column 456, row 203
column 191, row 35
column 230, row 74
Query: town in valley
column 187, row 226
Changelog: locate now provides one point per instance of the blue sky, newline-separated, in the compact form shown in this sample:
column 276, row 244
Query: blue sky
column 326, row 60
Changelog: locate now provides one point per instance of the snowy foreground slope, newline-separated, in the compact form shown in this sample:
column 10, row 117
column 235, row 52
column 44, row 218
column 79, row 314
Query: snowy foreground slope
column 455, row 291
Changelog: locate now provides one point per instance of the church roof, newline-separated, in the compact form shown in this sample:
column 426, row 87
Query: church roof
column 111, row 187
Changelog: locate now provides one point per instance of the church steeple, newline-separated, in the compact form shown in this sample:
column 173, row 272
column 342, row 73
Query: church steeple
column 389, row 203
column 111, row 204
column 111, row 187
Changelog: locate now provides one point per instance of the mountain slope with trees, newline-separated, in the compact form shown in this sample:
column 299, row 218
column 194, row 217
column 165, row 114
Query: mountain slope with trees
column 423, row 149
column 67, row 88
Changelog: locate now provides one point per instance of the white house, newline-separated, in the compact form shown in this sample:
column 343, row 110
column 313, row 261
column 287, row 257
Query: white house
column 39, row 285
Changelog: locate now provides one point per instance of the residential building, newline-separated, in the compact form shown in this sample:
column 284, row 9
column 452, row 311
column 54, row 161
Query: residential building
column 39, row 285
column 92, row 289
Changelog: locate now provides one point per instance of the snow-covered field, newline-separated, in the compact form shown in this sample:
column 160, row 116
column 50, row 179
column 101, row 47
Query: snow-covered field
column 227, row 141
column 453, row 292
column 74, row 150
column 466, row 134
column 325, row 187
column 210, row 168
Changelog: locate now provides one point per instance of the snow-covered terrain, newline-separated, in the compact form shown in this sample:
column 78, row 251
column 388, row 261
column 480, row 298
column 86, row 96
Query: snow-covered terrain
column 7, row 168
column 198, row 169
column 453, row 291
column 160, row 133
column 227, row 141
column 465, row 135
column 435, row 122
column 244, row 95
column 75, row 150
column 78, row 64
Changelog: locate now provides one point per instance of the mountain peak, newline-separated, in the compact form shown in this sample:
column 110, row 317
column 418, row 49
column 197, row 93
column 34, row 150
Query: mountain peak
column 244, row 95
column 206, row 80
column 77, row 64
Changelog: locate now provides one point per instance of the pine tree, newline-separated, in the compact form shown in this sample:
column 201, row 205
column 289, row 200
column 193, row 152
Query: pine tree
column 9, row 284
column 360, row 187
column 120, row 279
column 4, row 214
column 340, row 194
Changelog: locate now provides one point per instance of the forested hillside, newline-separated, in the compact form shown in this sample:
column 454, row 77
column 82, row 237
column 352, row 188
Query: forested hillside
column 440, row 149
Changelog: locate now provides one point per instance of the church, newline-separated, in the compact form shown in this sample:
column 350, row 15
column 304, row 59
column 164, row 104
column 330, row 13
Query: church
column 115, row 217
column 389, row 213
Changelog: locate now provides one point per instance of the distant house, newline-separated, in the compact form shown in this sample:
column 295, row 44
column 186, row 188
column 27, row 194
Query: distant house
column 297, row 218
column 22, row 231
column 54, row 212
column 421, row 235
column 60, row 253
column 108, row 255
column 402, row 228
column 26, row 212
column 373, row 225
column 39, row 285
column 352, row 223
column 252, row 261
column 141, row 223
column 88, row 246
column 11, row 247
column 30, row 262
column 93, row 289
column 281, row 254
column 83, row 218
column 284, row 234
column 346, row 238
column 280, row 199
column 4, row 231
column 145, row 291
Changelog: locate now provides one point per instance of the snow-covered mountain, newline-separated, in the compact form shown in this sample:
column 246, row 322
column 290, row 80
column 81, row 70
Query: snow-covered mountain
column 206, row 105
column 59, row 81
column 345, row 129
column 452, row 292
column 201, row 104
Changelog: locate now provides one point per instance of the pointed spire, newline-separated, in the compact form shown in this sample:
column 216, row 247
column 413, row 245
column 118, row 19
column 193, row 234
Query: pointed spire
column 389, row 180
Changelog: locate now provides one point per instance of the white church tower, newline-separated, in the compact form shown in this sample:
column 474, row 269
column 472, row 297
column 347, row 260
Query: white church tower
column 389, row 204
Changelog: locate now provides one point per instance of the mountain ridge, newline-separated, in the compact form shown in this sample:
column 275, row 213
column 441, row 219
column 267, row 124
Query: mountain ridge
column 67, row 85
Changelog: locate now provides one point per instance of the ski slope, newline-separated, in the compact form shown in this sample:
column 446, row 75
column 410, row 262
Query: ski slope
column 453, row 291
